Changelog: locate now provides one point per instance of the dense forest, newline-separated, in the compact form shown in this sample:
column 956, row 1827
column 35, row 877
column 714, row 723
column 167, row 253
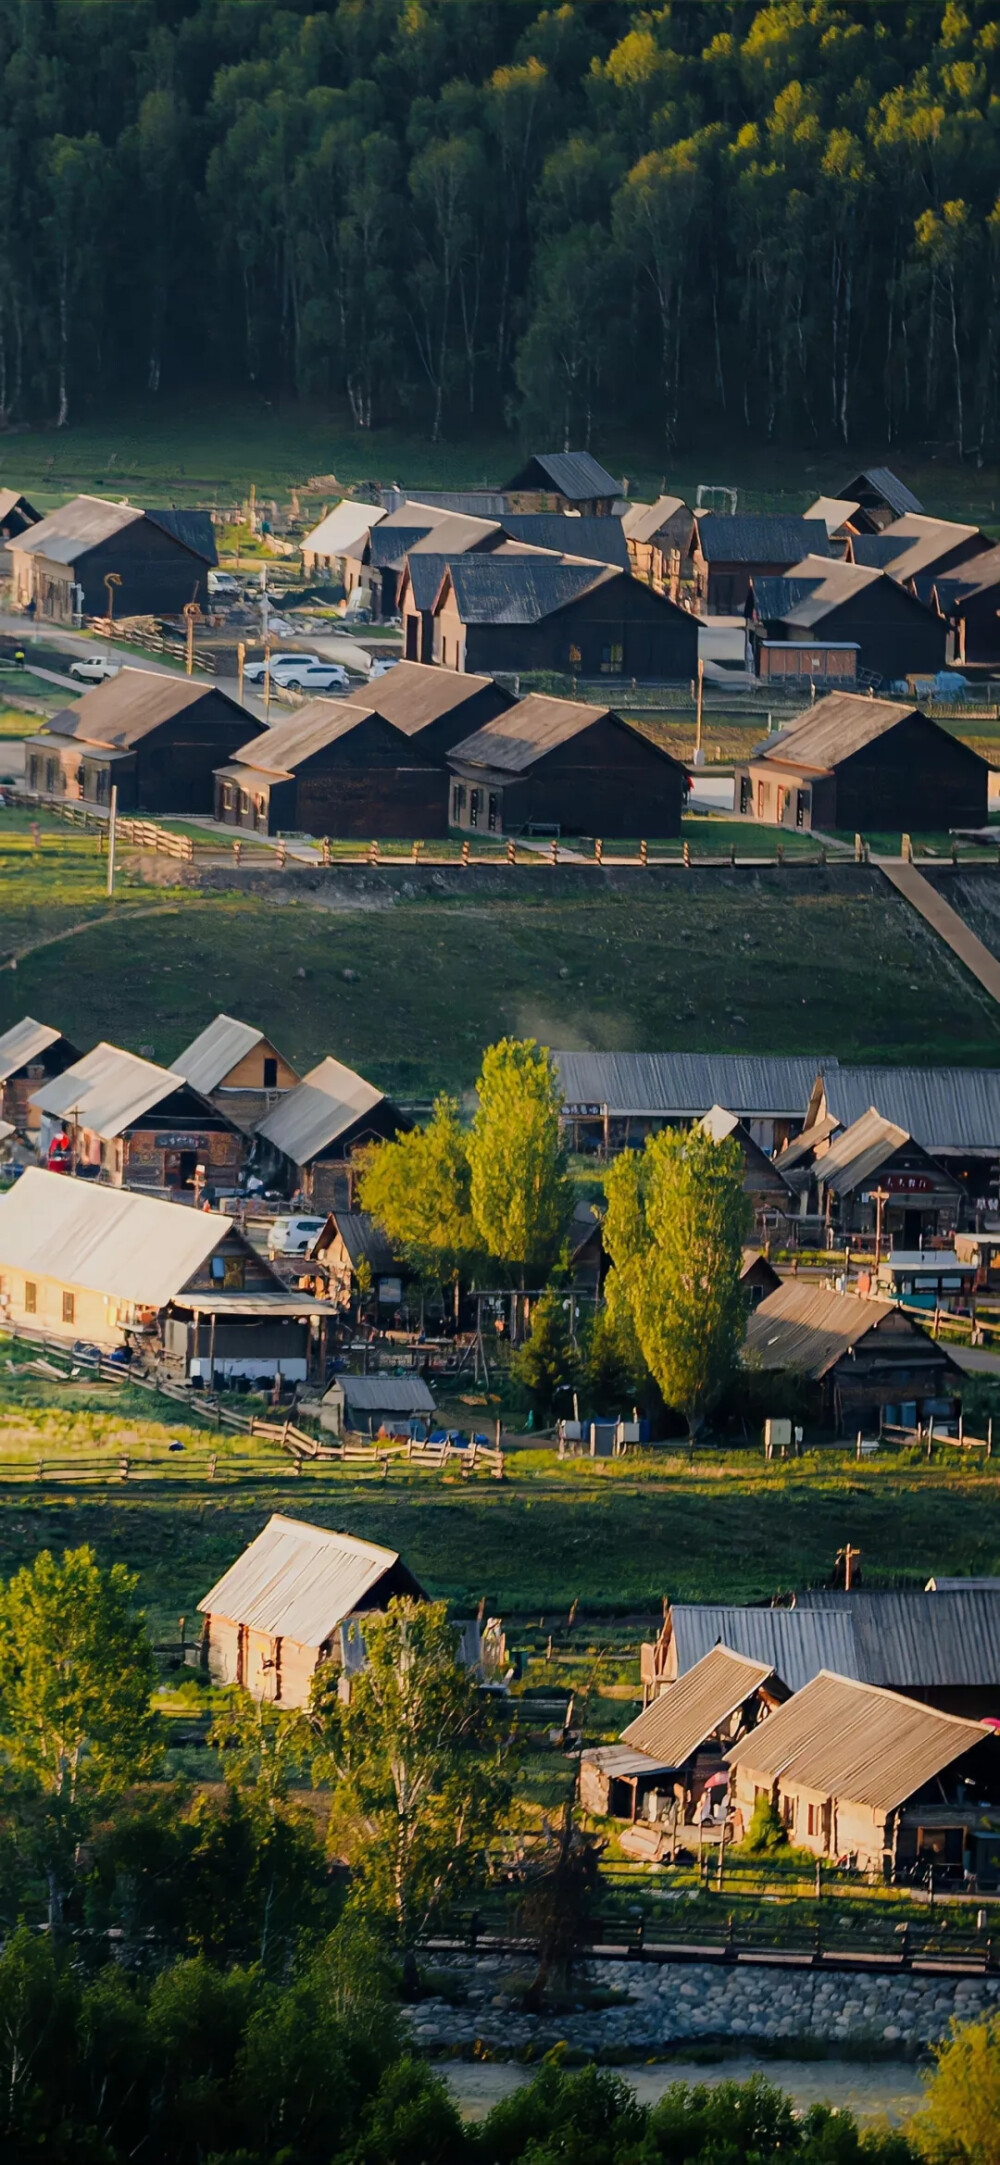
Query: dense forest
column 470, row 213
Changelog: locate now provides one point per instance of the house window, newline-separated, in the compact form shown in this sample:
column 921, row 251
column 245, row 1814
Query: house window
column 781, row 800
column 788, row 1811
column 235, row 1273
column 244, row 803
column 801, row 806
column 270, row 1074
column 611, row 661
column 227, row 796
column 69, row 1308
column 30, row 1297
column 457, row 803
column 746, row 793
column 574, row 657
column 101, row 785
column 34, row 770
column 494, row 806
column 813, row 1818
column 475, row 799
column 444, row 652
column 52, row 775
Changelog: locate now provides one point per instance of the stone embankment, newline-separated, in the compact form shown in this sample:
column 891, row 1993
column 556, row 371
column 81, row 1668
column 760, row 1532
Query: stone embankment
column 659, row 2007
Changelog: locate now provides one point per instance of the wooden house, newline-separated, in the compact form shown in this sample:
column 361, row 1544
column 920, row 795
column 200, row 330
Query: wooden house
column 563, row 481
column 531, row 612
column 671, row 1758
column 160, row 559
column 862, row 1364
column 342, row 532
column 335, row 767
column 373, row 564
column 968, row 598
column 613, row 1100
column 915, row 547
column 131, row 1124
column 727, row 553
column 238, row 1068
column 872, row 1176
column 566, row 766
column 602, row 540
column 769, row 1192
column 351, row 1239
column 878, row 497
column 31, row 1053
column 157, row 739
column 80, row 1261
column 294, row 1601
column 845, row 605
column 659, row 538
column 758, row 1276
column 435, row 708
column 859, row 765
column 871, row 1780
column 16, row 516
column 377, row 1405
column 310, row 1138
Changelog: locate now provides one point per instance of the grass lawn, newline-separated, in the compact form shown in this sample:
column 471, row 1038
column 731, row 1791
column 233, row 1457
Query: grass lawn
column 15, row 722
column 753, row 965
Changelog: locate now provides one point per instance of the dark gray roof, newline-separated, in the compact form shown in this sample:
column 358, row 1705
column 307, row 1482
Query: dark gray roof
column 685, row 1085
column 127, row 707
column 278, row 752
column 774, row 596
column 193, row 528
column 603, row 540
column 520, row 589
column 363, row 1239
column 882, row 483
column 944, row 1108
column 764, row 539
column 469, row 503
column 512, row 742
column 878, row 549
column 426, row 573
column 80, row 525
column 833, row 729
column 573, row 474
column 389, row 544
column 909, row 1640
column 413, row 694
column 387, row 1394
column 796, row 1643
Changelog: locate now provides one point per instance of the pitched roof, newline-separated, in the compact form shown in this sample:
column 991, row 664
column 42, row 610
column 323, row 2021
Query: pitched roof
column 322, row 1106
column 764, row 539
column 108, row 1240
column 972, row 574
column 912, row 544
column 801, row 1145
column 918, row 1641
column 107, row 1090
column 602, row 540
column 686, row 1084
column 216, row 1050
column 857, row 1153
column 363, row 1239
column 811, row 589
column 298, row 1581
column 193, row 529
column 388, row 1394
column 76, row 527
column 297, row 737
column 941, row 1107
column 513, row 741
column 882, row 483
column 806, row 1329
column 835, row 511
column 851, row 1740
column 414, row 694
column 477, row 503
column 425, row 573
column 456, row 533
column 501, row 589
column 23, row 1043
column 120, row 712
column 833, row 729
column 342, row 529
column 642, row 522
column 10, row 499
column 390, row 544
column 691, row 1710
column 794, row 1643
column 573, row 474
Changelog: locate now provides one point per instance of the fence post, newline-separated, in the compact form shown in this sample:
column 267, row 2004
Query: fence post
column 598, row 850
column 644, row 853
column 211, row 1466
column 686, row 855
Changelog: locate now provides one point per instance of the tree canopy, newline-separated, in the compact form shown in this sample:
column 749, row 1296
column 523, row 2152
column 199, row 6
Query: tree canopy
column 521, row 1193
column 463, row 214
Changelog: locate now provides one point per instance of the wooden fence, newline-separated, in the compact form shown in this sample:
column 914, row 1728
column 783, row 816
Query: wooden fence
column 143, row 833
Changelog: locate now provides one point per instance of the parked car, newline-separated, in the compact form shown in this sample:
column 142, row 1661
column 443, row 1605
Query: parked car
column 95, row 669
column 253, row 672
column 293, row 1236
column 382, row 668
column 223, row 582
column 319, row 677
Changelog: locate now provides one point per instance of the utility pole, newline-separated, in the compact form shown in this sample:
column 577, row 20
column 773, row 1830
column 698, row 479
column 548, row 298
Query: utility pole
column 880, row 1196
column 112, row 837
column 111, row 580
column 267, row 678
column 241, row 655
column 699, row 756
column 191, row 614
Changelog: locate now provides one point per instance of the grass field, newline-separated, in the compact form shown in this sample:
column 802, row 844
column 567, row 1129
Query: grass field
column 753, row 965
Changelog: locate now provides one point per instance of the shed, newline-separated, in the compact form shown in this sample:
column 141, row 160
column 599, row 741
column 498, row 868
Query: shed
column 293, row 1601
column 871, row 1779
column 767, row 1188
column 834, row 602
column 31, row 1053
column 158, row 739
column 235, row 1065
column 161, row 559
column 368, row 1404
column 351, row 1238
column 879, row 497
column 312, row 1135
column 115, row 1116
column 727, row 553
column 794, row 1643
column 676, row 1744
column 337, row 768
column 562, row 481
column 530, row 612
column 860, row 765
column 102, row 1264
column 862, row 1363
column 567, row 765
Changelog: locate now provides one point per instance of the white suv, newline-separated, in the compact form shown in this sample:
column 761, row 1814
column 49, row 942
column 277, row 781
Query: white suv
column 293, row 1236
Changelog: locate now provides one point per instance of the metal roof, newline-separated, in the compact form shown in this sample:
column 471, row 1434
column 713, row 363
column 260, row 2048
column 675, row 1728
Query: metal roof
column 642, row 522
column 794, row 1643
column 943, row 1108
column 922, row 1641
column 849, row 1740
column 573, row 474
column 811, row 590
column 210, row 1056
column 414, row 694
column 766, row 538
column 109, row 1240
column 538, row 725
column 882, row 483
column 298, row 1582
column 683, row 1085
column 76, row 527
column 805, row 1328
column 425, row 571
column 362, row 1238
column 322, row 1106
column 691, row 1710
column 321, row 722
column 456, row 533
column 23, row 1043
column 107, row 1090
column 961, row 1586
column 501, row 589
column 389, row 543
column 477, row 503
column 342, row 529
column 917, row 544
column 621, row 1763
column 193, row 529
column 387, row 1394
column 833, row 729
column 9, row 501
column 126, row 708
column 602, row 540
column 216, row 1301
column 835, row 511
column 858, row 1152
column 801, row 1145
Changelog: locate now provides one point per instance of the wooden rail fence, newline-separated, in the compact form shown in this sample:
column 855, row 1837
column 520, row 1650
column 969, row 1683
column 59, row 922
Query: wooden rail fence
column 142, row 833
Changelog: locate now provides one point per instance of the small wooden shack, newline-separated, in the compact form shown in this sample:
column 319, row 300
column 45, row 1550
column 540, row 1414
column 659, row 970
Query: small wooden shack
column 563, row 481
column 31, row 1053
column 727, row 553
column 350, row 1240
column 309, row 1140
column 568, row 767
column 238, row 1068
column 156, row 739
column 863, row 1364
column 671, row 1757
column 338, row 768
column 659, row 538
column 294, row 1600
column 854, row 606
column 115, row 1116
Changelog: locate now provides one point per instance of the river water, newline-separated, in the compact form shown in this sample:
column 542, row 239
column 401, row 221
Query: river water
column 873, row 2090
